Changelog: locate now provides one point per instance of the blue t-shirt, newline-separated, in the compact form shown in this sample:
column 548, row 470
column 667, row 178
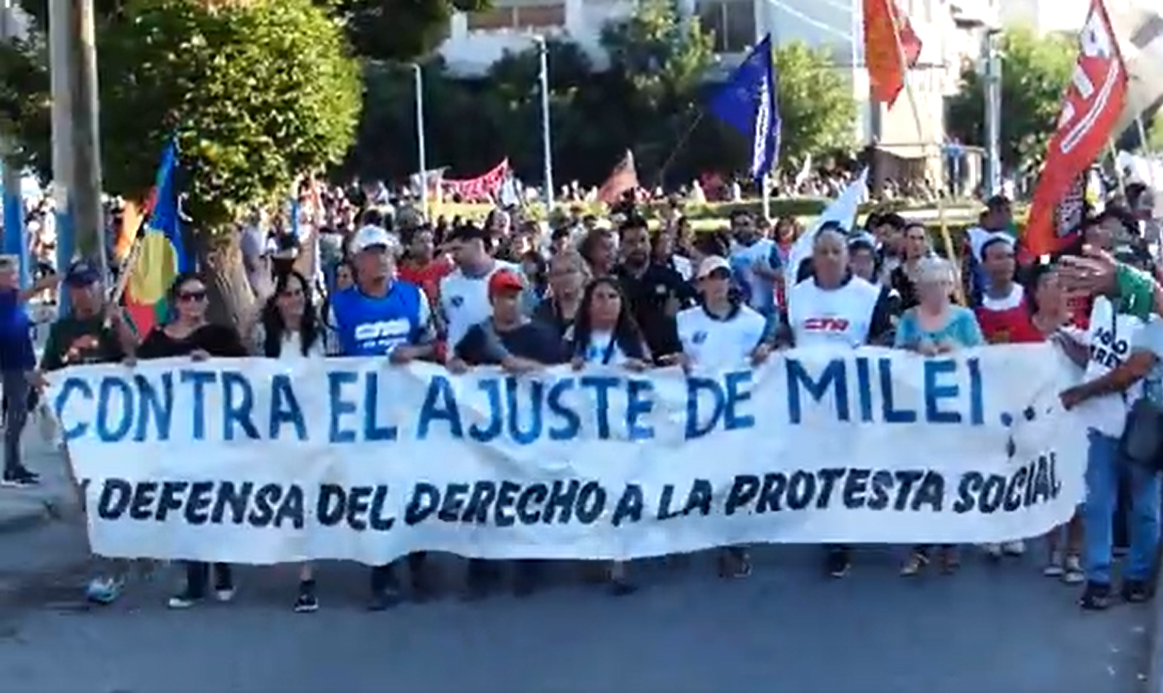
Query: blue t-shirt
column 374, row 326
column 758, row 292
column 16, row 352
column 961, row 329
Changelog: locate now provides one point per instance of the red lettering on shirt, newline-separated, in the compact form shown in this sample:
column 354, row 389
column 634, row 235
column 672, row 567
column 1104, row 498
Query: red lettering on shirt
column 826, row 324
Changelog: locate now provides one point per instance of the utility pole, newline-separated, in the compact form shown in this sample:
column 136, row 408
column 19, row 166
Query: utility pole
column 88, row 210
column 15, row 240
column 546, row 132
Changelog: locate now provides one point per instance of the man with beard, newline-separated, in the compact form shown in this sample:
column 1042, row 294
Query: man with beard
column 656, row 292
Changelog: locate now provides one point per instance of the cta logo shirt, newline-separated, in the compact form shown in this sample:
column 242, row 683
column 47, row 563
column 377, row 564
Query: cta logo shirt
column 832, row 317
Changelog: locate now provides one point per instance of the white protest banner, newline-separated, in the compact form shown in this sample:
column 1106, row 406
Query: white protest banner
column 257, row 461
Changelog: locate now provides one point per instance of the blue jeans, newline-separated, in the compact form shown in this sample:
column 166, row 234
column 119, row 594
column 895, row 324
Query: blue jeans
column 1103, row 468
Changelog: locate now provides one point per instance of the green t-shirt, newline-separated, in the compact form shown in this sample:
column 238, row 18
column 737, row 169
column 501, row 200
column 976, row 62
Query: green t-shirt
column 1136, row 291
column 73, row 341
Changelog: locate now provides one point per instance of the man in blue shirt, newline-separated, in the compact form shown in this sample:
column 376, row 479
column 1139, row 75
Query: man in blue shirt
column 17, row 365
column 381, row 316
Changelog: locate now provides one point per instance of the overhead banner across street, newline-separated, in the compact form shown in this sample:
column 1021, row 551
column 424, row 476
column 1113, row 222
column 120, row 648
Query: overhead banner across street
column 257, row 461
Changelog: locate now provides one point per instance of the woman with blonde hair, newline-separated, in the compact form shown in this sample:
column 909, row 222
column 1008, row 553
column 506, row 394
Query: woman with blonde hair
column 935, row 325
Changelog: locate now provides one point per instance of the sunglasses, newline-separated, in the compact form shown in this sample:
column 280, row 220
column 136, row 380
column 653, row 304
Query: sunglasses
column 192, row 295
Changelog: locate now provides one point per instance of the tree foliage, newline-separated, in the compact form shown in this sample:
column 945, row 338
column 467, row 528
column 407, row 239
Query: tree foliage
column 398, row 29
column 1035, row 71
column 646, row 95
column 1155, row 135
column 258, row 92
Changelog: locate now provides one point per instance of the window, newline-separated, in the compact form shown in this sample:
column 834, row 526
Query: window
column 731, row 21
column 518, row 17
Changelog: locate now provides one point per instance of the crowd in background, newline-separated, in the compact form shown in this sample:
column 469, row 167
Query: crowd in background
column 615, row 291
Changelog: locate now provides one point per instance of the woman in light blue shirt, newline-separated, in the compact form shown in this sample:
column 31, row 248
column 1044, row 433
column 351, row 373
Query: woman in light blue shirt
column 935, row 326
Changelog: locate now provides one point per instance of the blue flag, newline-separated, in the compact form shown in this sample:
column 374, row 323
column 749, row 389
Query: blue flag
column 747, row 102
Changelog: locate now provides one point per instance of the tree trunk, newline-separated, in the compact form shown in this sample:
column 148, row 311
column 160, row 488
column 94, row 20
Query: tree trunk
column 220, row 259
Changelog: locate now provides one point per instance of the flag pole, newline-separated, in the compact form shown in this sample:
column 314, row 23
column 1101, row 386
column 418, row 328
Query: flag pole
column 946, row 238
column 678, row 146
column 1119, row 175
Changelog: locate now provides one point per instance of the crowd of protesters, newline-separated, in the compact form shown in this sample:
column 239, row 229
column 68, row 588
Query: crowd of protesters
column 627, row 292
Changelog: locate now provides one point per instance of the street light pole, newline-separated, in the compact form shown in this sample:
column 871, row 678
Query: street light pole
column 421, row 143
column 993, row 79
column 62, row 139
column 546, row 133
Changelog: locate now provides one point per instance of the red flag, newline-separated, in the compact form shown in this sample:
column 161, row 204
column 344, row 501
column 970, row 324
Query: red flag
column 1091, row 107
column 624, row 177
column 887, row 35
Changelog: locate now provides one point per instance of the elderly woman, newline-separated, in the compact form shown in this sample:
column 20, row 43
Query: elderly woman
column 935, row 326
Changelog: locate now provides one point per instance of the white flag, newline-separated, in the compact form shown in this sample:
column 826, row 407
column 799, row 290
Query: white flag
column 842, row 210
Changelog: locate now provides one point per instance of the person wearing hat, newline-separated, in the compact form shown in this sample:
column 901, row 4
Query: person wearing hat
column 721, row 332
column 527, row 345
column 93, row 331
column 17, row 365
column 381, row 316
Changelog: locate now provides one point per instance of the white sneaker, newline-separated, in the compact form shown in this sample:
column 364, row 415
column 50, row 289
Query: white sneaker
column 1054, row 567
column 1014, row 548
column 992, row 550
column 1073, row 575
column 224, row 595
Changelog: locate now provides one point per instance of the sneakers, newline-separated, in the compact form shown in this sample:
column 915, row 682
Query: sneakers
column 1135, row 591
column 838, row 563
column 915, row 564
column 384, row 599
column 1096, row 597
column 306, row 603
column 19, row 478
column 1014, row 548
column 183, row 600
column 1055, row 567
column 104, row 590
column 1073, row 573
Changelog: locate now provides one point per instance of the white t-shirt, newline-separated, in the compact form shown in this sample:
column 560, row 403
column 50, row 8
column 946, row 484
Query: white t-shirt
column 1109, row 349
column 602, row 343
column 713, row 343
column 464, row 300
column 292, row 349
column 835, row 317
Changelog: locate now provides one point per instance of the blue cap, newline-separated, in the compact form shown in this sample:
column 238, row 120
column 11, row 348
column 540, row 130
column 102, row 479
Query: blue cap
column 81, row 274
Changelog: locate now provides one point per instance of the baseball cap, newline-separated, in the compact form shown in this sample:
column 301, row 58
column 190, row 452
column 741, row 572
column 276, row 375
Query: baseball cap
column 370, row 236
column 711, row 264
column 505, row 280
column 81, row 274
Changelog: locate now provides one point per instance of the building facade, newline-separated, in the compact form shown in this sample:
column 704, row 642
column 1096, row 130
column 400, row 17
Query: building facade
column 914, row 126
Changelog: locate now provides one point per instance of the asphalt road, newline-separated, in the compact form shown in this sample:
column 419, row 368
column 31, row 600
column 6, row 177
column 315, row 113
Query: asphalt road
column 786, row 628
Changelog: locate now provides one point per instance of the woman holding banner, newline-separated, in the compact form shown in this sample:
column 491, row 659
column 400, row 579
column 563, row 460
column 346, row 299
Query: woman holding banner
column 935, row 326
column 288, row 329
column 606, row 334
column 189, row 333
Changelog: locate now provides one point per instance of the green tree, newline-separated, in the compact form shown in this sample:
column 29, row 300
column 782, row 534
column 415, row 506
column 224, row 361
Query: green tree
column 816, row 104
column 398, row 29
column 257, row 92
column 1035, row 70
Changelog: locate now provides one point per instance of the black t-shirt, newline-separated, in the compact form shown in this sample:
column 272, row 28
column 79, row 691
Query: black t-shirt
column 533, row 340
column 648, row 294
column 548, row 313
column 216, row 340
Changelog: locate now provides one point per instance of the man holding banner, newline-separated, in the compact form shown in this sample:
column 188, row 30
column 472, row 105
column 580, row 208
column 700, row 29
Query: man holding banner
column 381, row 316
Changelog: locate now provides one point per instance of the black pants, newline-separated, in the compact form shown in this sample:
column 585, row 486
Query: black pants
column 383, row 577
column 198, row 578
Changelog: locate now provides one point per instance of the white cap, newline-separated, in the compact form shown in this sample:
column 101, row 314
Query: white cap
column 371, row 235
column 710, row 264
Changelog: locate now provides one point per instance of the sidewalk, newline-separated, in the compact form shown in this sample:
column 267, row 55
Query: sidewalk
column 22, row 509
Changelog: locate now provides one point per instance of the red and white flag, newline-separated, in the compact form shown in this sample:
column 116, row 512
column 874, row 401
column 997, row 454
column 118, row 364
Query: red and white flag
column 1094, row 100
column 624, row 177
